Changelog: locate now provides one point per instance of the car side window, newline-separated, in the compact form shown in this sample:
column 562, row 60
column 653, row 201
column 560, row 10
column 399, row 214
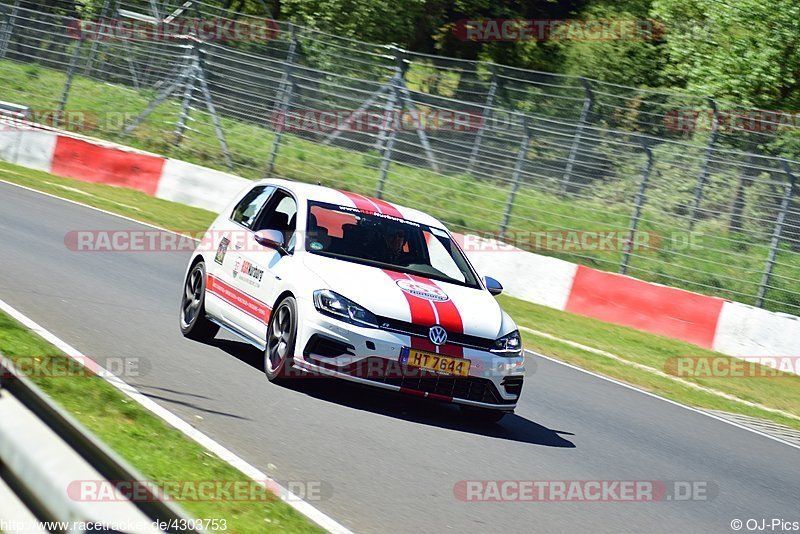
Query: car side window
column 248, row 208
column 281, row 215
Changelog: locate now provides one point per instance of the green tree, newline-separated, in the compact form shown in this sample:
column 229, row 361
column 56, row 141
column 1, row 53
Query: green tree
column 632, row 54
column 380, row 21
column 742, row 50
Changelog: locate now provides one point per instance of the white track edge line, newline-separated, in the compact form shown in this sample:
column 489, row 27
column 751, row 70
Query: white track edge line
column 662, row 374
column 659, row 397
column 185, row 428
column 609, row 379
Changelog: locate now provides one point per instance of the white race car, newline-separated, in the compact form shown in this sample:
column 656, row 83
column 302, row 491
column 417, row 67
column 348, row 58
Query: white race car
column 333, row 283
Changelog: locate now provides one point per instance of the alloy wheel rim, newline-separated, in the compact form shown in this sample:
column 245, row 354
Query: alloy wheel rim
column 192, row 296
column 279, row 337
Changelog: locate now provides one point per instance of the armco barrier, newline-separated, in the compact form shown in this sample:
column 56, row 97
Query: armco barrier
column 728, row 327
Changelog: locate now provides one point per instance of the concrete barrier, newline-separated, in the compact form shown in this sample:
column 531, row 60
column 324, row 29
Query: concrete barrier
column 744, row 331
column 33, row 149
column 198, row 186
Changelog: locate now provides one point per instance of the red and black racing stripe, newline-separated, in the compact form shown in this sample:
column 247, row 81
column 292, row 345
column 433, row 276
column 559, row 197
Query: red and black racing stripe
column 372, row 205
column 449, row 318
column 428, row 313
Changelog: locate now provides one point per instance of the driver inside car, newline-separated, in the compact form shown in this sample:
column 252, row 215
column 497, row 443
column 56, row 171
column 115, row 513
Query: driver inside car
column 388, row 243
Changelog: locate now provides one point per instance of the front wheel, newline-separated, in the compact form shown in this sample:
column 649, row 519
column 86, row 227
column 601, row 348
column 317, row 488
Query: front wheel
column 481, row 415
column 281, row 338
column 194, row 323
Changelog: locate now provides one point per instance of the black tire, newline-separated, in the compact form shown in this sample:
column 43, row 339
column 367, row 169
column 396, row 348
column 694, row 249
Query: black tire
column 281, row 339
column 482, row 415
column 194, row 323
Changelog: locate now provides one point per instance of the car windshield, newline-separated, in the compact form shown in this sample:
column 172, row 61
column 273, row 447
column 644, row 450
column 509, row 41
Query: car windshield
column 387, row 242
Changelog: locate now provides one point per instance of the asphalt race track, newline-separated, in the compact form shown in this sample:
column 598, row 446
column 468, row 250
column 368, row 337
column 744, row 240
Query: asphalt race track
column 387, row 463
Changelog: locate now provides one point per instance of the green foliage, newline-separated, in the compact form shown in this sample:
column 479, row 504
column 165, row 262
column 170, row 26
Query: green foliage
column 634, row 58
column 384, row 21
column 742, row 50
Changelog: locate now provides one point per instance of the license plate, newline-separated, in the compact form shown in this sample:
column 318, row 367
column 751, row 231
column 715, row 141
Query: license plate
column 435, row 362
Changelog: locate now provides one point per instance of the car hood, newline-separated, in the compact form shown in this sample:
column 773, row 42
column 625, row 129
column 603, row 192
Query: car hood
column 419, row 300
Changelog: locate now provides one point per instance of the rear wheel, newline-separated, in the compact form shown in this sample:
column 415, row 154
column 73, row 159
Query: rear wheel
column 194, row 323
column 281, row 338
column 482, row 415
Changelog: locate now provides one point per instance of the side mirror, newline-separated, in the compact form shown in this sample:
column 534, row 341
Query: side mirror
column 271, row 239
column 494, row 287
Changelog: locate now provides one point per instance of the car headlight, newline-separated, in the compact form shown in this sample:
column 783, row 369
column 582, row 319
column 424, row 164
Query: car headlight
column 509, row 345
column 332, row 303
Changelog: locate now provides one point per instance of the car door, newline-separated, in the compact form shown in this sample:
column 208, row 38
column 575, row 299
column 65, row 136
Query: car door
column 254, row 267
column 230, row 235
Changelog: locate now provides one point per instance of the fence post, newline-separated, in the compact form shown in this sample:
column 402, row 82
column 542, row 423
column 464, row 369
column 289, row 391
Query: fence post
column 588, row 102
column 290, row 56
column 737, row 209
column 776, row 235
column 637, row 209
column 286, row 102
column 73, row 61
column 487, row 115
column 522, row 154
column 154, row 8
column 391, row 102
column 96, row 38
column 188, row 92
column 212, row 111
column 8, row 29
column 701, row 178
column 388, row 146
column 287, row 93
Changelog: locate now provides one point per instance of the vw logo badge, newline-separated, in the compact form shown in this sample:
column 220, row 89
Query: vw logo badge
column 437, row 335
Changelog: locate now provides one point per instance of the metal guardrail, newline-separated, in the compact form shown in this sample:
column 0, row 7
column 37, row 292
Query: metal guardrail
column 15, row 110
column 57, row 506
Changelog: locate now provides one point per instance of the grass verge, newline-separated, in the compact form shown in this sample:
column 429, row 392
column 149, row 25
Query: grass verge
column 158, row 451
column 782, row 393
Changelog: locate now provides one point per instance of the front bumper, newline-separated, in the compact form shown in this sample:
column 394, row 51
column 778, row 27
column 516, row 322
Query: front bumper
column 371, row 356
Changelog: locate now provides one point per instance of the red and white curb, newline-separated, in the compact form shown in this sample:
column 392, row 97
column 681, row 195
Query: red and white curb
column 728, row 327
